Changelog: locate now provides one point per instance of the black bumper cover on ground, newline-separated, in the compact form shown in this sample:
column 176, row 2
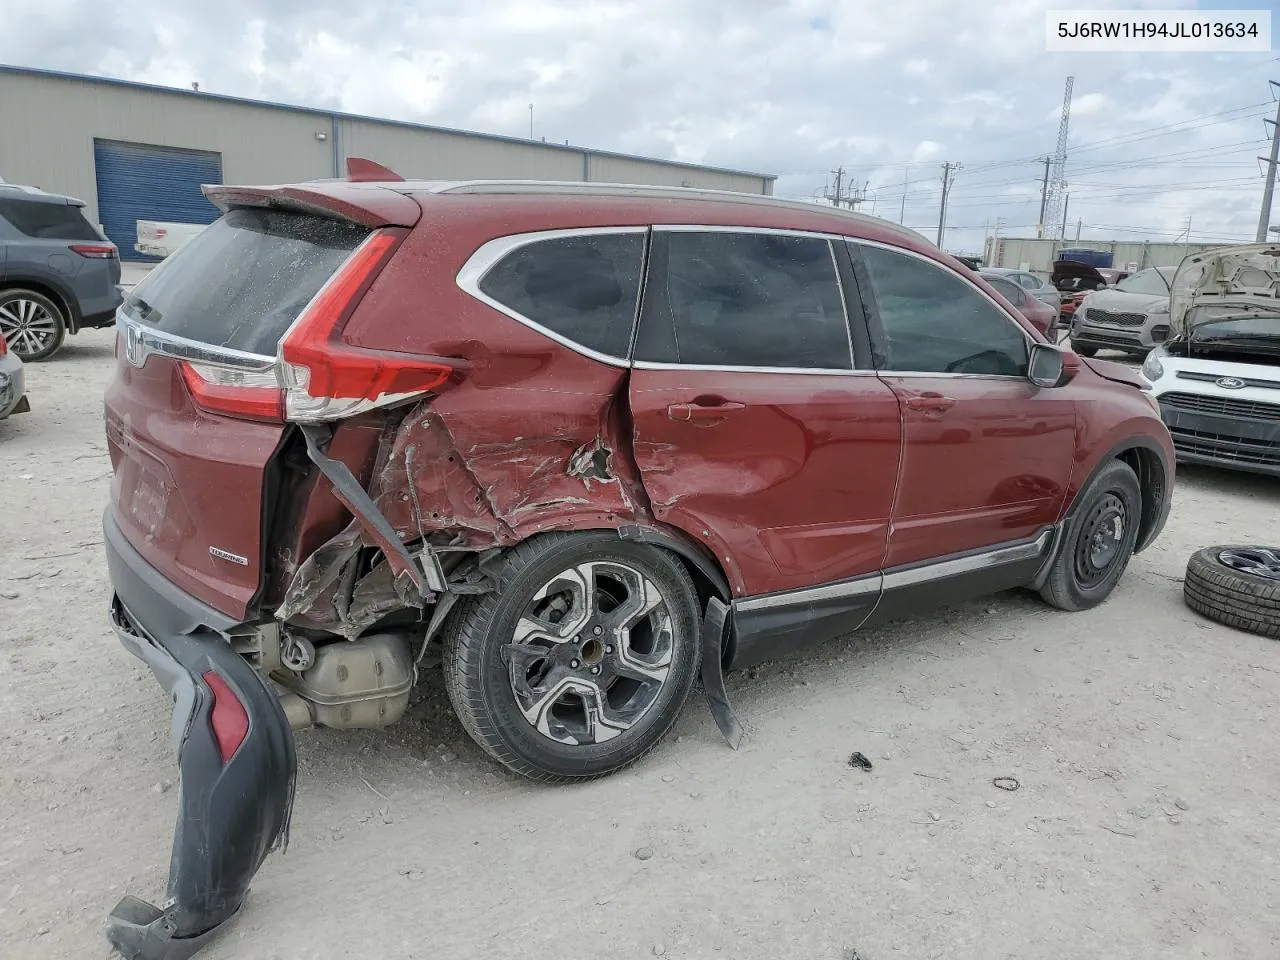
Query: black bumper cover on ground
column 231, row 815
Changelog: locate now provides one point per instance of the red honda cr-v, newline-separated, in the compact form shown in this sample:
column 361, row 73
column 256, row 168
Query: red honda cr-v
column 578, row 442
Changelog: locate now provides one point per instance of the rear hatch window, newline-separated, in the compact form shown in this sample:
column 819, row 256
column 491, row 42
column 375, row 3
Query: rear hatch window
column 48, row 220
column 245, row 278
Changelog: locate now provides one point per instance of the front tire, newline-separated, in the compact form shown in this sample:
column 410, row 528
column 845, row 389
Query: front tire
column 32, row 325
column 1099, row 541
column 581, row 659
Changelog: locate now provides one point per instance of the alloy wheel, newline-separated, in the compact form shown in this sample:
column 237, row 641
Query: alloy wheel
column 1259, row 561
column 590, row 652
column 27, row 327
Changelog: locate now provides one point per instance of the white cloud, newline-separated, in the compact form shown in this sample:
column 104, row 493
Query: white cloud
column 793, row 87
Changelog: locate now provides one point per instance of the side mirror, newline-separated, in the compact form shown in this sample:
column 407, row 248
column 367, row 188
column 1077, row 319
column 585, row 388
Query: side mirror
column 1051, row 366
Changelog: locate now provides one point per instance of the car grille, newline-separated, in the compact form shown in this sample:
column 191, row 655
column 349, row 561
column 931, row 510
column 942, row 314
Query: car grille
column 1226, row 449
column 1094, row 315
column 1094, row 337
column 1222, row 406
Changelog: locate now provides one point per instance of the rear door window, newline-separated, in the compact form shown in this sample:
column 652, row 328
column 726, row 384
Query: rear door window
column 583, row 287
column 48, row 221
column 744, row 300
column 244, row 279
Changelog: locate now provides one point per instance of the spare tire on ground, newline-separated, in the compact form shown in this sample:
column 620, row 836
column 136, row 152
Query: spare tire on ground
column 1238, row 586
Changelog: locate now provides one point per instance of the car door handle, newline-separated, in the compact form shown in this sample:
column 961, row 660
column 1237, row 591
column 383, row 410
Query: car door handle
column 934, row 402
column 694, row 412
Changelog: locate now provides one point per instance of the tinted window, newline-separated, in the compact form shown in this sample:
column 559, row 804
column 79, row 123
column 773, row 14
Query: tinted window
column 242, row 280
column 1010, row 291
column 49, row 221
column 584, row 287
column 934, row 322
column 1145, row 282
column 747, row 300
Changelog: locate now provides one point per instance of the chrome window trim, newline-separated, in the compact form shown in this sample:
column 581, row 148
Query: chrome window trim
column 729, row 368
column 922, row 573
column 963, row 279
column 487, row 256
column 747, row 228
column 141, row 341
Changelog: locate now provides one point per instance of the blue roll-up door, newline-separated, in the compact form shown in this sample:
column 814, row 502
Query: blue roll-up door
column 137, row 181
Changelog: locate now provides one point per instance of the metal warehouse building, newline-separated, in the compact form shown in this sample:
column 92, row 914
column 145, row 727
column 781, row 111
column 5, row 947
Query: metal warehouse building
column 135, row 151
column 1035, row 254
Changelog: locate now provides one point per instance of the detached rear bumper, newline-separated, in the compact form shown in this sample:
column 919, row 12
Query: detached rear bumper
column 237, row 783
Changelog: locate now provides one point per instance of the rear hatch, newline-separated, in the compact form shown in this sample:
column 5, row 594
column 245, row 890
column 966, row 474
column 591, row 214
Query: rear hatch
column 219, row 350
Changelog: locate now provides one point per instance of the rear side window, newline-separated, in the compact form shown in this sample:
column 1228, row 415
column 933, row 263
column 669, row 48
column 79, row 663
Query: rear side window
column 744, row 300
column 48, row 221
column 583, row 287
column 242, row 280
column 932, row 321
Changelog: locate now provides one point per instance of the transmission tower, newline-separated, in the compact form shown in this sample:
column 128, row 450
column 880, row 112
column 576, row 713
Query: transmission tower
column 1057, row 183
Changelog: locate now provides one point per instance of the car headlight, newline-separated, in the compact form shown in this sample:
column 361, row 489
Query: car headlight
column 1152, row 368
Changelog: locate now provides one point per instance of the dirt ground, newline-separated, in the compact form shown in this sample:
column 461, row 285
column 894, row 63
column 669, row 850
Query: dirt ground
column 1147, row 823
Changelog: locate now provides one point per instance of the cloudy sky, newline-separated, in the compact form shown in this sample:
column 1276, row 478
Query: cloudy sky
column 886, row 90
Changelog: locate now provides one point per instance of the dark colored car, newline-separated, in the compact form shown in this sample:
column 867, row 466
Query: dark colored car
column 589, row 442
column 58, row 275
column 1038, row 313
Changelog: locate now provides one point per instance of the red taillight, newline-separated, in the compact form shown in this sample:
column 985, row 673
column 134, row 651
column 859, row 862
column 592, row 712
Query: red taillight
column 228, row 719
column 95, row 251
column 326, row 378
column 4, row 345
column 248, row 394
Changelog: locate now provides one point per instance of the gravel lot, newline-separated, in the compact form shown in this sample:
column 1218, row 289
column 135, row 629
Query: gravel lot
column 1147, row 823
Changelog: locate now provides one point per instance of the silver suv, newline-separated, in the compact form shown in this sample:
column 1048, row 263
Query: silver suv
column 1132, row 316
column 58, row 274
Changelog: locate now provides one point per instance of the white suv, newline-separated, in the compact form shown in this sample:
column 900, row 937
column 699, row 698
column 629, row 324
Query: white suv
column 1217, row 378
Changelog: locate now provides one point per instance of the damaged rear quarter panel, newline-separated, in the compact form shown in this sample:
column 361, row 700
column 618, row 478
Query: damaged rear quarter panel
column 535, row 438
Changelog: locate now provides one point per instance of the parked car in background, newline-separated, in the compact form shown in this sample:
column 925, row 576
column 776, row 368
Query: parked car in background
column 13, row 397
column 1037, row 286
column 1039, row 314
column 159, row 238
column 593, row 441
column 58, row 275
column 1132, row 316
column 1105, row 277
column 1217, row 376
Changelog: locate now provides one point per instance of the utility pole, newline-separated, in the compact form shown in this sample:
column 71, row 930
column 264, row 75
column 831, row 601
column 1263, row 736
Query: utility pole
column 837, row 197
column 1265, row 214
column 1065, row 204
column 1079, row 224
column 948, row 177
column 1044, row 197
column 902, row 213
column 531, row 121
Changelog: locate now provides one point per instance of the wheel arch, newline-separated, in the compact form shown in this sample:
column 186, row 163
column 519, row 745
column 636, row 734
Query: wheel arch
column 48, row 288
column 1155, row 472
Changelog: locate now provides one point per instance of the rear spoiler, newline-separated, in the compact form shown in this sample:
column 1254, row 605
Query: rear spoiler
column 367, row 204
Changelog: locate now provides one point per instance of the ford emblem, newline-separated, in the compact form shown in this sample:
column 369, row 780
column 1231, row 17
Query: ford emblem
column 1229, row 383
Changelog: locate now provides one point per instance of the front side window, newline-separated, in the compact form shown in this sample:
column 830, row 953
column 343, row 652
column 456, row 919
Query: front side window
column 932, row 321
column 583, row 287
column 744, row 300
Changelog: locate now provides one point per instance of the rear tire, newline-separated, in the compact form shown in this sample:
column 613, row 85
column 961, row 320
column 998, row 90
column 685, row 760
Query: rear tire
column 32, row 325
column 1094, row 551
column 1231, row 595
column 543, row 674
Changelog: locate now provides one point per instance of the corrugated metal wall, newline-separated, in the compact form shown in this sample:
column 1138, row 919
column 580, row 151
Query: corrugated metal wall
column 435, row 155
column 1040, row 254
column 49, row 123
